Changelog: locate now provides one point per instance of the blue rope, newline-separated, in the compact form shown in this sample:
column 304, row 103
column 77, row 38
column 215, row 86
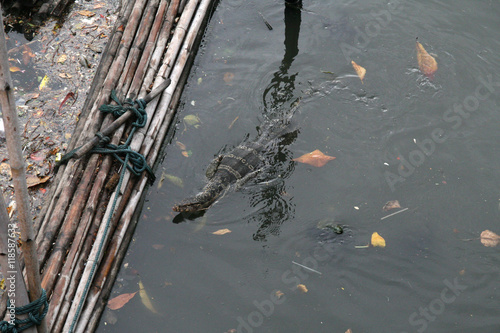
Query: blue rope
column 35, row 317
column 138, row 161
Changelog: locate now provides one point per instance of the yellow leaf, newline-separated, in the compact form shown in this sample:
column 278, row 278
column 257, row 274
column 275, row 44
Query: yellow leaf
column 361, row 71
column 14, row 69
column 146, row 300
column 192, row 120
column 44, row 82
column 302, row 288
column 186, row 153
column 377, row 240
column 426, row 62
column 174, row 180
column 221, row 232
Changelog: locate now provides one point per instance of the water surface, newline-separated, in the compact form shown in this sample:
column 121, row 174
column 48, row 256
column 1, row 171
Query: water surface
column 432, row 144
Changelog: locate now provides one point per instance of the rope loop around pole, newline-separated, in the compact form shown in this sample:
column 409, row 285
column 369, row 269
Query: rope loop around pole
column 138, row 107
column 36, row 311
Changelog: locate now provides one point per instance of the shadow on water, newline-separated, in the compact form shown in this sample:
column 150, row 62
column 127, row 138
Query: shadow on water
column 273, row 206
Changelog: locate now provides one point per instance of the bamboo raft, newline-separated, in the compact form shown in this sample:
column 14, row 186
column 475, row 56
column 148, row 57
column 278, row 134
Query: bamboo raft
column 152, row 41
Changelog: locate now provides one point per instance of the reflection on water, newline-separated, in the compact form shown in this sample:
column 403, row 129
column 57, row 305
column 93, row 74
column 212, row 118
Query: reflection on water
column 433, row 276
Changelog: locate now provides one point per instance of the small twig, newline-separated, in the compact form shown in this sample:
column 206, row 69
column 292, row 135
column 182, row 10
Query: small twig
column 310, row 269
column 399, row 211
column 270, row 27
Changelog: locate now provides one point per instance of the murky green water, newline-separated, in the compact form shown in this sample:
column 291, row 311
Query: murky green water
column 431, row 144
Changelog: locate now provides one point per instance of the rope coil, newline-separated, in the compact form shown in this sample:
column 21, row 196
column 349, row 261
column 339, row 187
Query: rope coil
column 34, row 315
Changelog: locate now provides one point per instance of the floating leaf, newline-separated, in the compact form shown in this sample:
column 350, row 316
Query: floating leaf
column 489, row 238
column 187, row 153
column 68, row 96
column 221, row 232
column 119, row 301
column 279, row 294
column 35, row 180
column 146, row 300
column 393, row 204
column 192, row 120
column 44, row 82
column 174, row 180
column 228, row 77
column 62, row 58
column 315, row 158
column 180, row 145
column 426, row 62
column 14, row 69
column 5, row 170
column 377, row 240
column 302, row 288
column 65, row 75
column 348, row 331
column 361, row 71
column 38, row 156
column 87, row 13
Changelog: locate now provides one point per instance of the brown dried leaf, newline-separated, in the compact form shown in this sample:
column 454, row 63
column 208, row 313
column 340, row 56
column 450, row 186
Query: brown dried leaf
column 180, row 145
column 391, row 205
column 5, row 170
column 315, row 158
column 489, row 238
column 348, row 331
column 62, row 58
column 228, row 77
column 361, row 71
column 65, row 75
column 120, row 300
column 87, row 13
column 35, row 180
column 221, row 232
column 426, row 62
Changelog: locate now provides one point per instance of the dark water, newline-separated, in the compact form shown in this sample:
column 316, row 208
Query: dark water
column 431, row 144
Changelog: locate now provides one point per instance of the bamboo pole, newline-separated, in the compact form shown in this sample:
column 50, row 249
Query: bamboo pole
column 183, row 59
column 17, row 165
column 60, row 180
column 95, row 302
column 134, row 75
column 104, row 168
column 161, row 44
column 105, row 132
column 55, row 221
